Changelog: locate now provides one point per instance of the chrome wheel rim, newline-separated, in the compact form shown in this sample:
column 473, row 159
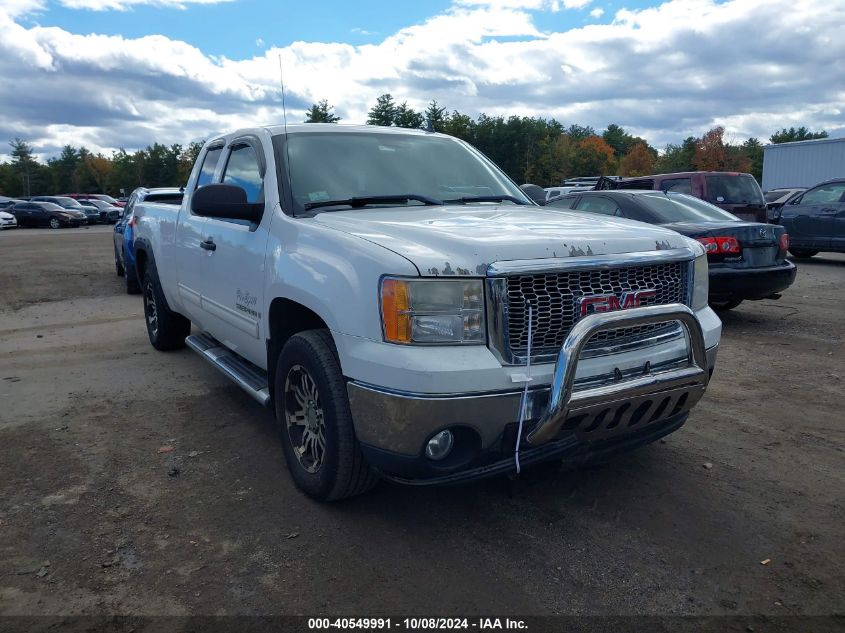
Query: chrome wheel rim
column 54, row 223
column 304, row 419
column 152, row 311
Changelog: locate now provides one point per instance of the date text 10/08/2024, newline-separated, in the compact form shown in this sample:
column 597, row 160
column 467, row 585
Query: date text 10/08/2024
column 412, row 624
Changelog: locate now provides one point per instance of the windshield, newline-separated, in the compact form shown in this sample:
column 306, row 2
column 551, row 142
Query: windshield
column 680, row 207
column 327, row 166
column 734, row 189
column 69, row 203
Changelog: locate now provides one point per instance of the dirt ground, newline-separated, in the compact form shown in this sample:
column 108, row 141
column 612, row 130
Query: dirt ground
column 95, row 519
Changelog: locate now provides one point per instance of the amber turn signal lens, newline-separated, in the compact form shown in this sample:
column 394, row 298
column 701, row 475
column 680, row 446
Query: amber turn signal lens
column 395, row 311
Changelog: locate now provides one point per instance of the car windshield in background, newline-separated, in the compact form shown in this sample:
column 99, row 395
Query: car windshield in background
column 773, row 196
column 738, row 189
column 680, row 207
column 327, row 166
column 68, row 203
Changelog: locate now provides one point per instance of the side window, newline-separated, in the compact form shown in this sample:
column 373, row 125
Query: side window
column 209, row 165
column 678, row 185
column 563, row 203
column 598, row 204
column 244, row 171
column 825, row 194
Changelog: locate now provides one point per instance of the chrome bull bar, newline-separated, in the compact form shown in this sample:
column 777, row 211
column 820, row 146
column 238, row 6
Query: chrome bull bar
column 563, row 401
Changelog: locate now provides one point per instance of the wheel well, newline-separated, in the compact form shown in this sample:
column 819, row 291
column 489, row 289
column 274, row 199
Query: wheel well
column 140, row 263
column 286, row 319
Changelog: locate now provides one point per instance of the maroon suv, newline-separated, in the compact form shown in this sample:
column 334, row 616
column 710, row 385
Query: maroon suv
column 732, row 191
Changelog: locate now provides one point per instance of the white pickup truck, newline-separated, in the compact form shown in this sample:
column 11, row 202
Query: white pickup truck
column 409, row 313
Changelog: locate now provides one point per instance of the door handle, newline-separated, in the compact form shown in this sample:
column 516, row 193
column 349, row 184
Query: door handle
column 208, row 245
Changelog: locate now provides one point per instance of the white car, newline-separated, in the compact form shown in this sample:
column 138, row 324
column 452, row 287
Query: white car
column 7, row 220
column 408, row 313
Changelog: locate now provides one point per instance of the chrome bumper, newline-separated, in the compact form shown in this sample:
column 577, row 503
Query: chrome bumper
column 402, row 422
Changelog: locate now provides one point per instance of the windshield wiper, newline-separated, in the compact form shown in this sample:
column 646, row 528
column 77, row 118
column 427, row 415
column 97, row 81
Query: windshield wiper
column 362, row 201
column 466, row 199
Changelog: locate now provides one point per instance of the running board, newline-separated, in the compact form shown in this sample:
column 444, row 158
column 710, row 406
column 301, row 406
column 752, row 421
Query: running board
column 247, row 376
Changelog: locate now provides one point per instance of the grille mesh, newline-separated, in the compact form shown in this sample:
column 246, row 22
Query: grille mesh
column 554, row 296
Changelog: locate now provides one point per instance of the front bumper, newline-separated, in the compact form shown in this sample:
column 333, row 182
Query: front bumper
column 750, row 283
column 560, row 419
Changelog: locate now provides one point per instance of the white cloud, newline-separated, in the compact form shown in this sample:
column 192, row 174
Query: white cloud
column 259, row 43
column 597, row 12
column 656, row 72
column 125, row 5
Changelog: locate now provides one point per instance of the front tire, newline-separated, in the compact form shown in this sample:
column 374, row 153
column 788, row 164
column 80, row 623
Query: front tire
column 312, row 411
column 724, row 306
column 55, row 224
column 802, row 253
column 167, row 329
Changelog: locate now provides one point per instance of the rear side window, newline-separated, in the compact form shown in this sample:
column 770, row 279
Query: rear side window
column 243, row 171
column 678, row 185
column 209, row 166
column 733, row 189
column 825, row 194
column 598, row 204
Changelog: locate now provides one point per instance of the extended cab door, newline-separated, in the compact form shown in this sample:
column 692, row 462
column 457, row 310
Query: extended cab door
column 233, row 275
column 190, row 233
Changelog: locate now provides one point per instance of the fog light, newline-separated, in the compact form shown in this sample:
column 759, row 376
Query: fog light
column 438, row 447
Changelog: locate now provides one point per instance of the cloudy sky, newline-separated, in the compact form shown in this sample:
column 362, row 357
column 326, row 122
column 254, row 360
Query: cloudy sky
column 125, row 73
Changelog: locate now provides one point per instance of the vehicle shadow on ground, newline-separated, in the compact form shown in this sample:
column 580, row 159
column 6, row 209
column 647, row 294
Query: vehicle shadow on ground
column 817, row 260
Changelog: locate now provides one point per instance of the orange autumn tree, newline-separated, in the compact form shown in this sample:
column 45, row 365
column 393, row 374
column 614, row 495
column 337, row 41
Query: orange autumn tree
column 593, row 157
column 710, row 151
column 638, row 162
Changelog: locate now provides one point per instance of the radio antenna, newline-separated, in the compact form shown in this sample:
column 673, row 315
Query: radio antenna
column 285, row 119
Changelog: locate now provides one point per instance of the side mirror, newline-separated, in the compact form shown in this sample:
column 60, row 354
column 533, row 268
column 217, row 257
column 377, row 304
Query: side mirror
column 225, row 201
column 535, row 192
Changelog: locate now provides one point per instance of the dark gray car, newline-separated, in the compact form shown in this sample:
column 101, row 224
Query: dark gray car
column 815, row 220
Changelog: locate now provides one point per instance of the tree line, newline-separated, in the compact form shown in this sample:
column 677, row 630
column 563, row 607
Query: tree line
column 529, row 149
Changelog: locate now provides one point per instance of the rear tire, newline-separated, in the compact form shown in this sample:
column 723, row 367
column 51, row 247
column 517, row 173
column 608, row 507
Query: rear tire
column 167, row 329
column 118, row 266
column 312, row 411
column 724, row 306
column 802, row 253
column 132, row 285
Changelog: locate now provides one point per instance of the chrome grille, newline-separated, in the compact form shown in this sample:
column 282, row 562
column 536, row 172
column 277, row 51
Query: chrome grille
column 554, row 297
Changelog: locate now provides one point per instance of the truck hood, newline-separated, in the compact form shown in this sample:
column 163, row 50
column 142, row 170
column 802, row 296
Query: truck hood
column 465, row 240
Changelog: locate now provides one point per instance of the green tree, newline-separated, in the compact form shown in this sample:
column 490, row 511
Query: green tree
column 793, row 134
column 24, row 165
column 579, row 132
column 677, row 157
column 405, row 116
column 460, row 126
column 753, row 150
column 383, row 112
column 321, row 112
column 435, row 117
column 63, row 170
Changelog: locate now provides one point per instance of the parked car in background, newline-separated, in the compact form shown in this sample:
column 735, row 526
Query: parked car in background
column 124, row 248
column 92, row 213
column 33, row 213
column 68, row 204
column 776, row 198
column 735, row 192
column 746, row 260
column 556, row 192
column 6, row 203
column 7, row 220
column 94, row 196
column 108, row 213
column 815, row 219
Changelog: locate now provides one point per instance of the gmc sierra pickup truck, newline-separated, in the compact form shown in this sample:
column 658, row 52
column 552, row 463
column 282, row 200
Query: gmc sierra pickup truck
column 409, row 313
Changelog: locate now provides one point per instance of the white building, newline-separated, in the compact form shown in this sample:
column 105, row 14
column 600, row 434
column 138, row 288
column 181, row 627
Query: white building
column 803, row 163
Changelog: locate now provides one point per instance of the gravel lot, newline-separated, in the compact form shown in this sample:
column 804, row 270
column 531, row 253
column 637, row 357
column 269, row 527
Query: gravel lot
column 96, row 519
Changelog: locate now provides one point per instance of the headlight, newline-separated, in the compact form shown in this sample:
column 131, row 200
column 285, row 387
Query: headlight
column 432, row 311
column 701, row 282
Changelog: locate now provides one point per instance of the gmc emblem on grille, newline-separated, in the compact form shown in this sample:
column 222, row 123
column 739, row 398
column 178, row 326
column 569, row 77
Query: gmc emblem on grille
column 610, row 303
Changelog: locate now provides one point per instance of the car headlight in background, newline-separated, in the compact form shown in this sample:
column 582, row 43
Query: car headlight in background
column 432, row 311
column 701, row 282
